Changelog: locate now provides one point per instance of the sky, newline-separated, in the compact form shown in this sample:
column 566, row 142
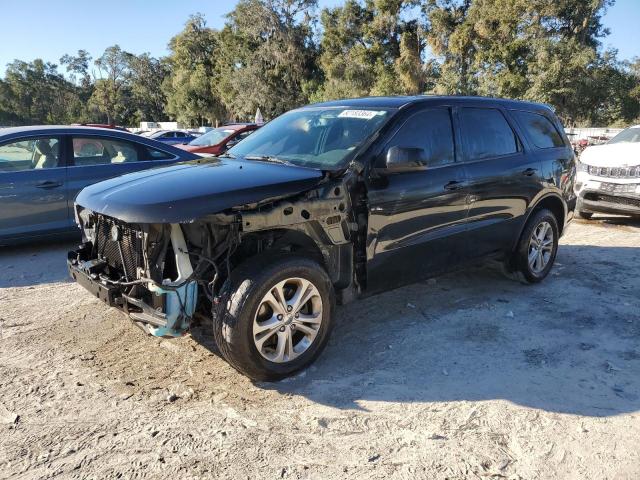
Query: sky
column 48, row 29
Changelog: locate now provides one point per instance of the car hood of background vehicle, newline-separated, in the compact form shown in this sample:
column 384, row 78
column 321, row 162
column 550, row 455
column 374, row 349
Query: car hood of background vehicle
column 186, row 191
column 612, row 155
column 189, row 148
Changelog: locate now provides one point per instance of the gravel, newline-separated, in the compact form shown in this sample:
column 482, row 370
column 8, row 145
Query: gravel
column 469, row 376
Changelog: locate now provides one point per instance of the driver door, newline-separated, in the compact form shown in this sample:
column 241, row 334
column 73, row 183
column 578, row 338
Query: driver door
column 33, row 190
column 417, row 217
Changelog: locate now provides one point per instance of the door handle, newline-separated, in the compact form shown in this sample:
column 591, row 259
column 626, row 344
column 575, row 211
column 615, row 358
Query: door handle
column 454, row 185
column 48, row 184
column 530, row 172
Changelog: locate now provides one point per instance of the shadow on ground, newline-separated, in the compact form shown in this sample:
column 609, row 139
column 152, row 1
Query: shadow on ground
column 34, row 264
column 569, row 345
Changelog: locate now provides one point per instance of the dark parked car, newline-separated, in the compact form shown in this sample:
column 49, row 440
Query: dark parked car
column 43, row 168
column 172, row 137
column 329, row 202
column 219, row 140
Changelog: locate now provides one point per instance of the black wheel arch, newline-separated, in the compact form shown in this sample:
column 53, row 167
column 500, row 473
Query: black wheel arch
column 337, row 260
column 553, row 202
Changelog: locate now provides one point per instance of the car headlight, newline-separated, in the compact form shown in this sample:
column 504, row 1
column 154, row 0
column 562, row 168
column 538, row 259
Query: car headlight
column 583, row 167
column 86, row 221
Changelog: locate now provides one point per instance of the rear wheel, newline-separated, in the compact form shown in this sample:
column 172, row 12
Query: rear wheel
column 275, row 316
column 538, row 247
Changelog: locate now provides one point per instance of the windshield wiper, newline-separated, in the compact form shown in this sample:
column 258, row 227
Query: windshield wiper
column 227, row 155
column 268, row 158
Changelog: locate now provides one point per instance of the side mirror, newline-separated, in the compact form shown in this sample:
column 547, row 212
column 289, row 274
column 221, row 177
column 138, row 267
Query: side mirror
column 401, row 159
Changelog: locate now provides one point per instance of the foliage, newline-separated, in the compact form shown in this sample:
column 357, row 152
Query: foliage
column 269, row 56
column 190, row 86
column 279, row 54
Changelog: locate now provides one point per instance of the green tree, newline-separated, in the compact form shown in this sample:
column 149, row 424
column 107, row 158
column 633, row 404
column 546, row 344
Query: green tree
column 190, row 88
column 345, row 59
column 34, row 93
column 146, row 76
column 371, row 48
column 78, row 67
column 268, row 57
column 110, row 95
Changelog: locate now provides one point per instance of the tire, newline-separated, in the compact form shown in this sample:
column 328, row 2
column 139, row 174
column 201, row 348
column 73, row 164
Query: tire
column 521, row 261
column 242, row 306
column 584, row 215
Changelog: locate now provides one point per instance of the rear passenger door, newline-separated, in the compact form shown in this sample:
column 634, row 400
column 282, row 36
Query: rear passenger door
column 96, row 158
column 503, row 179
column 552, row 148
column 417, row 218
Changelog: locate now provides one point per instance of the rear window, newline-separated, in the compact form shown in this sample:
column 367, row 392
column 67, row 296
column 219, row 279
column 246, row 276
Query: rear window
column 486, row 133
column 540, row 130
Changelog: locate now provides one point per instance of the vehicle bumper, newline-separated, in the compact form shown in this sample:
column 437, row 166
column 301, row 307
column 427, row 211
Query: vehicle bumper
column 170, row 314
column 109, row 295
column 607, row 195
column 596, row 201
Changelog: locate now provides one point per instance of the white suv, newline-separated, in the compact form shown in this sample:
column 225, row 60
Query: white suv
column 608, row 179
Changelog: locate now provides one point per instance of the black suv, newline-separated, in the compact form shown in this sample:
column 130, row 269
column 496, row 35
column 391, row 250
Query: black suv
column 332, row 201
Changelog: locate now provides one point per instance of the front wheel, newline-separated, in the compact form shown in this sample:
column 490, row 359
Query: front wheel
column 538, row 247
column 275, row 316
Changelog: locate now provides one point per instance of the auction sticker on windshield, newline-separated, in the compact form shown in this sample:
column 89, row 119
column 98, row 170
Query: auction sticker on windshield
column 365, row 114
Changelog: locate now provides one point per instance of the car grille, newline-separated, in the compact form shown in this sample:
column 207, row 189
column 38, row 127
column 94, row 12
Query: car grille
column 619, row 187
column 599, row 197
column 614, row 172
column 109, row 250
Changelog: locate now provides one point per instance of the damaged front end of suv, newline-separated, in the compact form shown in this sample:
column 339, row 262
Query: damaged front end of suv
column 260, row 242
column 166, row 275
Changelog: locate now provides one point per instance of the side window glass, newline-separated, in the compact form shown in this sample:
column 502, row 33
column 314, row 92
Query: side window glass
column 243, row 135
column 153, row 154
column 431, row 131
column 100, row 151
column 486, row 133
column 540, row 130
column 30, row 154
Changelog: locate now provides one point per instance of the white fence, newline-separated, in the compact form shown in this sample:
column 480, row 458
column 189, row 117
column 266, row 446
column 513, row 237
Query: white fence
column 579, row 133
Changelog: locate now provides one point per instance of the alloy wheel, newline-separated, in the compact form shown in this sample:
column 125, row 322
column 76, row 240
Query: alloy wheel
column 540, row 247
column 287, row 320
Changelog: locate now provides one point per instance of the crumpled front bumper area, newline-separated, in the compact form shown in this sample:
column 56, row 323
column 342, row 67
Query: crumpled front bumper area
column 163, row 312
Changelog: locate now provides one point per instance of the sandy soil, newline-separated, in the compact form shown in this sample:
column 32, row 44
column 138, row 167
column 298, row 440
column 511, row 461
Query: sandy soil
column 468, row 376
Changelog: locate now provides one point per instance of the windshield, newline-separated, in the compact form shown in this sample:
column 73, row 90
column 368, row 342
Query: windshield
column 212, row 137
column 630, row 135
column 322, row 138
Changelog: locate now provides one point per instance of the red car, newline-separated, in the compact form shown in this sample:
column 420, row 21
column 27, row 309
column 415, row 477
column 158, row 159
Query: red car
column 219, row 140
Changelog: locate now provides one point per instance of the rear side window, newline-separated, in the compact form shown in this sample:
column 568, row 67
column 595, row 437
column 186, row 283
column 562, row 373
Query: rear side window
column 153, row 154
column 100, row 151
column 486, row 133
column 430, row 130
column 540, row 130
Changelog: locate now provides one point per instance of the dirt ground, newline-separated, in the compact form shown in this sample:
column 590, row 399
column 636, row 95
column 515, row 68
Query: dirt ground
column 468, row 376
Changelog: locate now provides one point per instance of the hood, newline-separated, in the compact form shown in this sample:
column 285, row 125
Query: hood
column 188, row 148
column 186, row 191
column 612, row 155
